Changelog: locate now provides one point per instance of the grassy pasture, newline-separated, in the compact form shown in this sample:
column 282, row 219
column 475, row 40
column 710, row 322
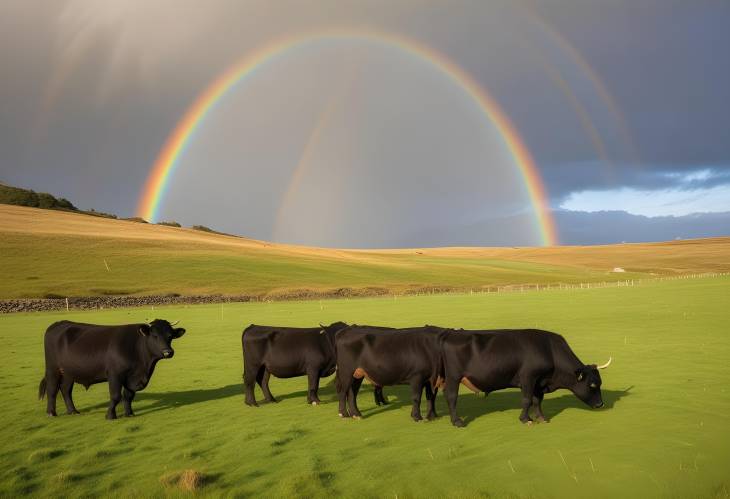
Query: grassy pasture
column 665, row 431
column 46, row 252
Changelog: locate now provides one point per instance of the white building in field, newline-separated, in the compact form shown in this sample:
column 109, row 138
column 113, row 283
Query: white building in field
column 618, row 269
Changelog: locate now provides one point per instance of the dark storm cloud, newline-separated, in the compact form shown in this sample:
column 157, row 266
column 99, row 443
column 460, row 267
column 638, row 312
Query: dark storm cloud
column 91, row 89
column 562, row 179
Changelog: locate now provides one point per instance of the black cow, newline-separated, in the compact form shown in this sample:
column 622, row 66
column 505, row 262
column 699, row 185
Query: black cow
column 537, row 362
column 387, row 356
column 288, row 352
column 87, row 354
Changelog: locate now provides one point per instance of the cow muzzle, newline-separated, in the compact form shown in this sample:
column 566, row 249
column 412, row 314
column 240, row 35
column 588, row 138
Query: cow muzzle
column 168, row 354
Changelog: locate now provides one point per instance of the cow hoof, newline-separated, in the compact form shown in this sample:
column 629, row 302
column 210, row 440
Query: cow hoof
column 252, row 404
column 71, row 413
column 528, row 422
column 356, row 417
column 51, row 414
column 111, row 416
column 417, row 418
column 343, row 415
column 543, row 420
column 459, row 423
column 130, row 415
column 431, row 417
column 314, row 402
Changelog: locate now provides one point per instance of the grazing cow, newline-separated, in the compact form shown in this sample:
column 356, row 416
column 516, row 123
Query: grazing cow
column 87, row 354
column 288, row 352
column 386, row 356
column 537, row 362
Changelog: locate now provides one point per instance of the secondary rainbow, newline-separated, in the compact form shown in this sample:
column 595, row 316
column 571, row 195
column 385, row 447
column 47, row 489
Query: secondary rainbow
column 158, row 180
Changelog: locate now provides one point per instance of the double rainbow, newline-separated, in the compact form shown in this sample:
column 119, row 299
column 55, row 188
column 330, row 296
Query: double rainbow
column 158, row 180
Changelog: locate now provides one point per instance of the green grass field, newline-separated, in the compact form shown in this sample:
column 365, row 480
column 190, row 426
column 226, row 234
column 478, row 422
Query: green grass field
column 665, row 431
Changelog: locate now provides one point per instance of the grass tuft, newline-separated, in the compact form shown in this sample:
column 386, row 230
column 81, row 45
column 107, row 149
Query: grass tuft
column 188, row 480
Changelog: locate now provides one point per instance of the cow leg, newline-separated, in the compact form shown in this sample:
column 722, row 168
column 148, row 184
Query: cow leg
column 379, row 395
column 313, row 386
column 354, row 388
column 115, row 396
column 343, row 384
column 528, row 389
column 53, row 380
column 127, row 397
column 416, row 392
column 431, row 397
column 537, row 404
column 263, row 381
column 451, row 391
column 249, row 382
column 67, row 386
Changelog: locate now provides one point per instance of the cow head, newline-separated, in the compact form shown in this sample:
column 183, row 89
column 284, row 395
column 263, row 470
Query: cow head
column 159, row 335
column 587, row 386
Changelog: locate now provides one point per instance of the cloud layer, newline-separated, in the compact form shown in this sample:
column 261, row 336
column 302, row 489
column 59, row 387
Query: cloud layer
column 623, row 106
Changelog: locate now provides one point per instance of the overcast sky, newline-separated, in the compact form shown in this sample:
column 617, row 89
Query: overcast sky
column 624, row 105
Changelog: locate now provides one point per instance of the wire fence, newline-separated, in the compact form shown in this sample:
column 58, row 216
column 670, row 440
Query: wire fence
column 522, row 288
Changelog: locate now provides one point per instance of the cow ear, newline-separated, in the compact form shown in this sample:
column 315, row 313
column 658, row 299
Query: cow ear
column 179, row 332
column 579, row 374
column 144, row 329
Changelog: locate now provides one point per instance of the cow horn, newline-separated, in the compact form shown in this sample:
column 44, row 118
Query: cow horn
column 174, row 323
column 604, row 366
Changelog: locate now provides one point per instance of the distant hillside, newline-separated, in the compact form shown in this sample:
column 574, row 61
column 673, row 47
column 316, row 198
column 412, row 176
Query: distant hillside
column 578, row 228
column 27, row 197
column 50, row 253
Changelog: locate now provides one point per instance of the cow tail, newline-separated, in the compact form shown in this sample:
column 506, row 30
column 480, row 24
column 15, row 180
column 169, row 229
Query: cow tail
column 338, row 378
column 243, row 351
column 42, row 389
column 338, row 381
column 440, row 375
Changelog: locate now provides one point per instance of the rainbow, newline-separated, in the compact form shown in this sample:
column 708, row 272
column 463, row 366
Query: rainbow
column 575, row 55
column 157, row 182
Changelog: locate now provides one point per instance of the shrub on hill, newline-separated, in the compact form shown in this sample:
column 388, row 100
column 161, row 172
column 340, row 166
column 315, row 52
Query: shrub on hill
column 136, row 219
column 26, row 197
column 202, row 228
column 170, row 224
column 95, row 213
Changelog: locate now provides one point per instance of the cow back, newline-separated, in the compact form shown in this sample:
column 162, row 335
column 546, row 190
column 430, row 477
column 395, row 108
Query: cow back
column 390, row 356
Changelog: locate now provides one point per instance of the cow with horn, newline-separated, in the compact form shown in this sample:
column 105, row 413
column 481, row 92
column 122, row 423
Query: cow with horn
column 535, row 361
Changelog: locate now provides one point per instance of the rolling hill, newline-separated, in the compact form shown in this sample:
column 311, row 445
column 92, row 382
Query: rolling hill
column 58, row 253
